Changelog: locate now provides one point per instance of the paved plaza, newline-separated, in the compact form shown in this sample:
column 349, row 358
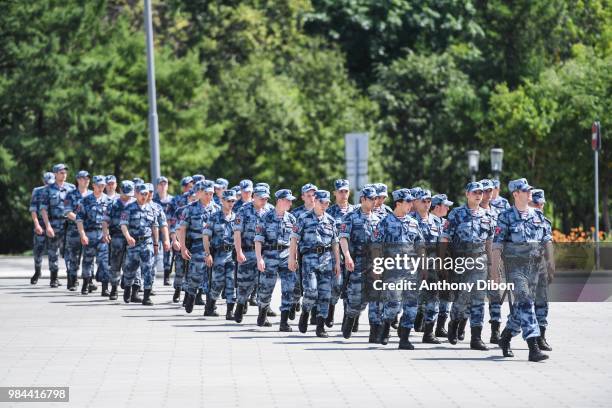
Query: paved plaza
column 113, row 354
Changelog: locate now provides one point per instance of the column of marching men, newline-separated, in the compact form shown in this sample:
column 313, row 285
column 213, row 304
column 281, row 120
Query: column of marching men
column 232, row 243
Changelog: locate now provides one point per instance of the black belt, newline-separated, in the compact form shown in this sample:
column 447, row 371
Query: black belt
column 224, row 248
column 317, row 250
column 275, row 247
column 141, row 239
column 93, row 229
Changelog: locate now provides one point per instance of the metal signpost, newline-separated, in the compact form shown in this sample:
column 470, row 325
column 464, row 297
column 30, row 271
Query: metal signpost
column 356, row 155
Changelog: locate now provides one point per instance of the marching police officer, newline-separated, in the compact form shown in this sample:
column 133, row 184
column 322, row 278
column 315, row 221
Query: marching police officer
column 74, row 248
column 112, row 231
column 220, row 186
column 111, row 187
column 497, row 201
column 272, row 240
column 395, row 229
column 246, row 194
column 316, row 233
column 90, row 213
column 541, row 297
column 139, row 227
column 356, row 230
column 192, row 222
column 164, row 199
column 523, row 237
column 54, row 217
column 440, row 205
column 244, row 239
column 38, row 236
column 469, row 230
column 178, row 203
column 338, row 211
column 218, row 238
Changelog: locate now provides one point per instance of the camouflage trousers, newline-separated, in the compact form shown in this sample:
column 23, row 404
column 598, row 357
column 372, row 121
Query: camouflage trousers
column 375, row 312
column 524, row 275
column 98, row 250
column 471, row 300
column 38, row 248
column 140, row 257
column 165, row 258
column 434, row 302
column 54, row 248
column 338, row 285
column 223, row 276
column 541, row 300
column 246, row 277
column 73, row 252
column 118, row 248
column 180, row 274
column 495, row 302
column 276, row 267
column 197, row 277
column 354, row 292
column 407, row 302
column 317, row 272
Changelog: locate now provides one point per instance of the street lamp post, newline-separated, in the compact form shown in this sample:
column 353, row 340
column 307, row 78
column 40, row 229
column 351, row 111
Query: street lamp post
column 473, row 158
column 153, row 126
column 497, row 158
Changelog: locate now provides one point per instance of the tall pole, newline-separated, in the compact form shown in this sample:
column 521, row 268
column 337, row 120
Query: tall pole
column 596, row 145
column 153, row 127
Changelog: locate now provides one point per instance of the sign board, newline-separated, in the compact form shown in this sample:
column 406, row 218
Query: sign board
column 356, row 156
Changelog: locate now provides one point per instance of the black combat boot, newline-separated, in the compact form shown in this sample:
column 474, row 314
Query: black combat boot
column 303, row 324
column 167, row 277
column 534, row 351
column 54, row 282
column 69, row 283
column 91, row 286
column 404, row 343
column 209, row 309
column 122, row 282
column 476, row 342
column 461, row 329
column 105, row 291
column 494, row 333
column 440, row 329
column 252, row 301
column 189, row 301
column 504, row 343
column 229, row 313
column 383, row 333
column 113, row 293
column 329, row 322
column 418, row 321
column 135, row 298
column 262, row 317
column 542, row 343
column 34, row 278
column 298, row 307
column 146, row 300
column 356, row 325
column 320, row 332
column 313, row 315
column 126, row 293
column 270, row 312
column 347, row 327
column 452, row 331
column 374, row 330
column 199, row 301
column 292, row 312
column 284, row 326
column 239, row 311
column 177, row 295
column 428, row 336
column 84, row 290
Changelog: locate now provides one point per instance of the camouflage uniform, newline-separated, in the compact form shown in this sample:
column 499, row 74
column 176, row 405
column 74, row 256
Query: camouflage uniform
column 118, row 245
column 178, row 204
column 91, row 212
column 141, row 221
column 315, row 237
column 38, row 241
column 467, row 231
column 166, row 205
column 220, row 229
column 52, row 201
column 246, row 223
column 74, row 249
column 338, row 213
column 274, row 233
